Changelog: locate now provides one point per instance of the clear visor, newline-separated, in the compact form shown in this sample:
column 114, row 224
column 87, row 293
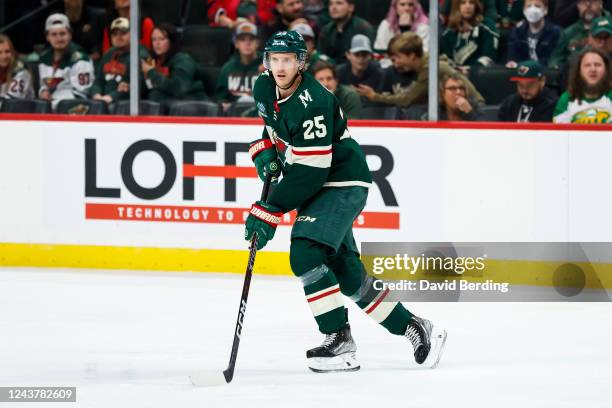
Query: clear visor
column 275, row 61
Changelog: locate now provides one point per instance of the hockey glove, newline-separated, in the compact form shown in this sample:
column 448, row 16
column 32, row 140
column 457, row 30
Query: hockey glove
column 264, row 156
column 263, row 219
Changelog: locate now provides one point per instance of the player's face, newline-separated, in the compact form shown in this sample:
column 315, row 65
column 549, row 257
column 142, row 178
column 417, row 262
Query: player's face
column 59, row 38
column 326, row 78
column 247, row 44
column 467, row 8
column 529, row 90
column 5, row 55
column 340, row 9
column 453, row 90
column 284, row 67
column 404, row 6
column 120, row 38
column 592, row 69
column 161, row 43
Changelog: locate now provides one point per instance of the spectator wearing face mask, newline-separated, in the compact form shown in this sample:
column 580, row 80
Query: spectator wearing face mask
column 533, row 38
column 574, row 37
column 532, row 102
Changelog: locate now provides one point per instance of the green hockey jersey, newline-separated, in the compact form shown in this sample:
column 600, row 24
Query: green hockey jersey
column 310, row 134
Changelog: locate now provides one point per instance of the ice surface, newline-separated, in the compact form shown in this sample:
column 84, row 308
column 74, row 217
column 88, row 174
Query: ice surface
column 131, row 339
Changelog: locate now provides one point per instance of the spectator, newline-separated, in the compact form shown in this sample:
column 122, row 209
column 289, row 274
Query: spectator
column 288, row 12
column 121, row 8
column 573, row 38
column 510, row 12
column 65, row 70
column 564, row 12
column 360, row 68
column 316, row 10
column 15, row 79
column 225, row 13
column 588, row 98
column 455, row 102
column 335, row 37
column 86, row 24
column 349, row 100
column 467, row 40
column 533, row 38
column 238, row 75
column 532, row 102
column 394, row 81
column 309, row 38
column 171, row 74
column 113, row 74
column 403, row 15
column 411, row 58
column 489, row 11
column 600, row 35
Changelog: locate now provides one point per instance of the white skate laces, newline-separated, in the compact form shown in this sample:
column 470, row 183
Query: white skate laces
column 329, row 339
column 413, row 335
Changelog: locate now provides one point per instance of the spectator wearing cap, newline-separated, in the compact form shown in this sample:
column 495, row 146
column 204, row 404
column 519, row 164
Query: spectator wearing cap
column 288, row 13
column 121, row 8
column 335, row 37
column 238, row 75
column 403, row 15
column 113, row 74
column 532, row 102
column 65, row 70
column 15, row 78
column 360, row 68
column 411, row 58
column 349, row 100
column 309, row 38
column 467, row 40
column 171, row 74
column 600, row 35
column 574, row 38
column 533, row 38
column 86, row 24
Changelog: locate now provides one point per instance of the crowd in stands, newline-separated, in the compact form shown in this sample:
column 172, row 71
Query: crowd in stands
column 552, row 58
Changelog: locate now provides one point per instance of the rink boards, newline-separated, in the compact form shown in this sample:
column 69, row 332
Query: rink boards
column 171, row 194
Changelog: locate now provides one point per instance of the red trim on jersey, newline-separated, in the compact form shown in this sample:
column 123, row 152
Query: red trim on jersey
column 322, row 295
column 311, row 152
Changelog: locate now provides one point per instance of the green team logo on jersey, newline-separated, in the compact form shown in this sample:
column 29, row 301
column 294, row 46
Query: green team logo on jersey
column 591, row 116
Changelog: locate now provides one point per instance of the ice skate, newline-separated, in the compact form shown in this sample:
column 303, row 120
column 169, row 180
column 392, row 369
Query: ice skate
column 337, row 353
column 428, row 342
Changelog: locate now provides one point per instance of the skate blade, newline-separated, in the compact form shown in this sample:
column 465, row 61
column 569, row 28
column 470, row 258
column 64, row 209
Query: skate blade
column 343, row 362
column 438, row 341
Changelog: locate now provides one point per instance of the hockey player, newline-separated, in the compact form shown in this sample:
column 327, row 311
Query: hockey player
column 66, row 71
column 326, row 178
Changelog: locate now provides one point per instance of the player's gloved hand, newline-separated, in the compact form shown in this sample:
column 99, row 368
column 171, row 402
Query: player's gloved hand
column 263, row 219
column 266, row 161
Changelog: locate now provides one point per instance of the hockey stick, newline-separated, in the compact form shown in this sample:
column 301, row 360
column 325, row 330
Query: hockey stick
column 204, row 379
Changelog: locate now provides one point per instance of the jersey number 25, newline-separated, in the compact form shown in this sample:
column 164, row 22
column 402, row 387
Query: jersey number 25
column 321, row 129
